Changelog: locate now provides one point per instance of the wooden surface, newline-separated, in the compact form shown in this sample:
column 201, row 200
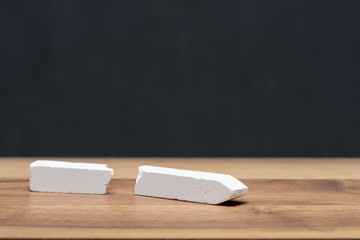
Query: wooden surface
column 287, row 199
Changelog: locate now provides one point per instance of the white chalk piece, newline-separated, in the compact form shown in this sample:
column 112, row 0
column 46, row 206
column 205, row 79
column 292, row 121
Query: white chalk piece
column 68, row 177
column 193, row 186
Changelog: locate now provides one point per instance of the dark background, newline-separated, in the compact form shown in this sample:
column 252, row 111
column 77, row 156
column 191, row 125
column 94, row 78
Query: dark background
column 180, row 78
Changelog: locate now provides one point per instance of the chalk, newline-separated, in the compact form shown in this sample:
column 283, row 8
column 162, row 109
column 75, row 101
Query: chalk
column 68, row 177
column 193, row 186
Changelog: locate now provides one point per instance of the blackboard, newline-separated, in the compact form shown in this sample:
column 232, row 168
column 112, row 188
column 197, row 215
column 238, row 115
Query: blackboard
column 180, row 78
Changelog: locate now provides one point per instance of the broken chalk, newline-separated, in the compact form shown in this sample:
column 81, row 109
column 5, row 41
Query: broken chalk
column 68, row 177
column 193, row 186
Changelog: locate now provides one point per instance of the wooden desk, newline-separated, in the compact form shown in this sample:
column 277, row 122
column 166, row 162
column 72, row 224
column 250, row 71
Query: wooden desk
column 287, row 199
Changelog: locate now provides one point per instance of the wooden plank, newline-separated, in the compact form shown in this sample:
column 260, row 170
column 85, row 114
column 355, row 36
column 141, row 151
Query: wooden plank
column 242, row 168
column 272, row 209
column 126, row 233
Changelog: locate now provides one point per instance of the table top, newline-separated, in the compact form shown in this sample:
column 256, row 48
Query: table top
column 288, row 198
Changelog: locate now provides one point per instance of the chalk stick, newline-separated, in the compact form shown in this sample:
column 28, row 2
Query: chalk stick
column 193, row 186
column 68, row 177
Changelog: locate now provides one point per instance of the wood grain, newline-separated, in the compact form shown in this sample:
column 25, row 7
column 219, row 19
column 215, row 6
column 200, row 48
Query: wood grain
column 242, row 168
column 273, row 209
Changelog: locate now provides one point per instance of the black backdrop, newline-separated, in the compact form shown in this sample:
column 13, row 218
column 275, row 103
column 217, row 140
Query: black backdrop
column 180, row 78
